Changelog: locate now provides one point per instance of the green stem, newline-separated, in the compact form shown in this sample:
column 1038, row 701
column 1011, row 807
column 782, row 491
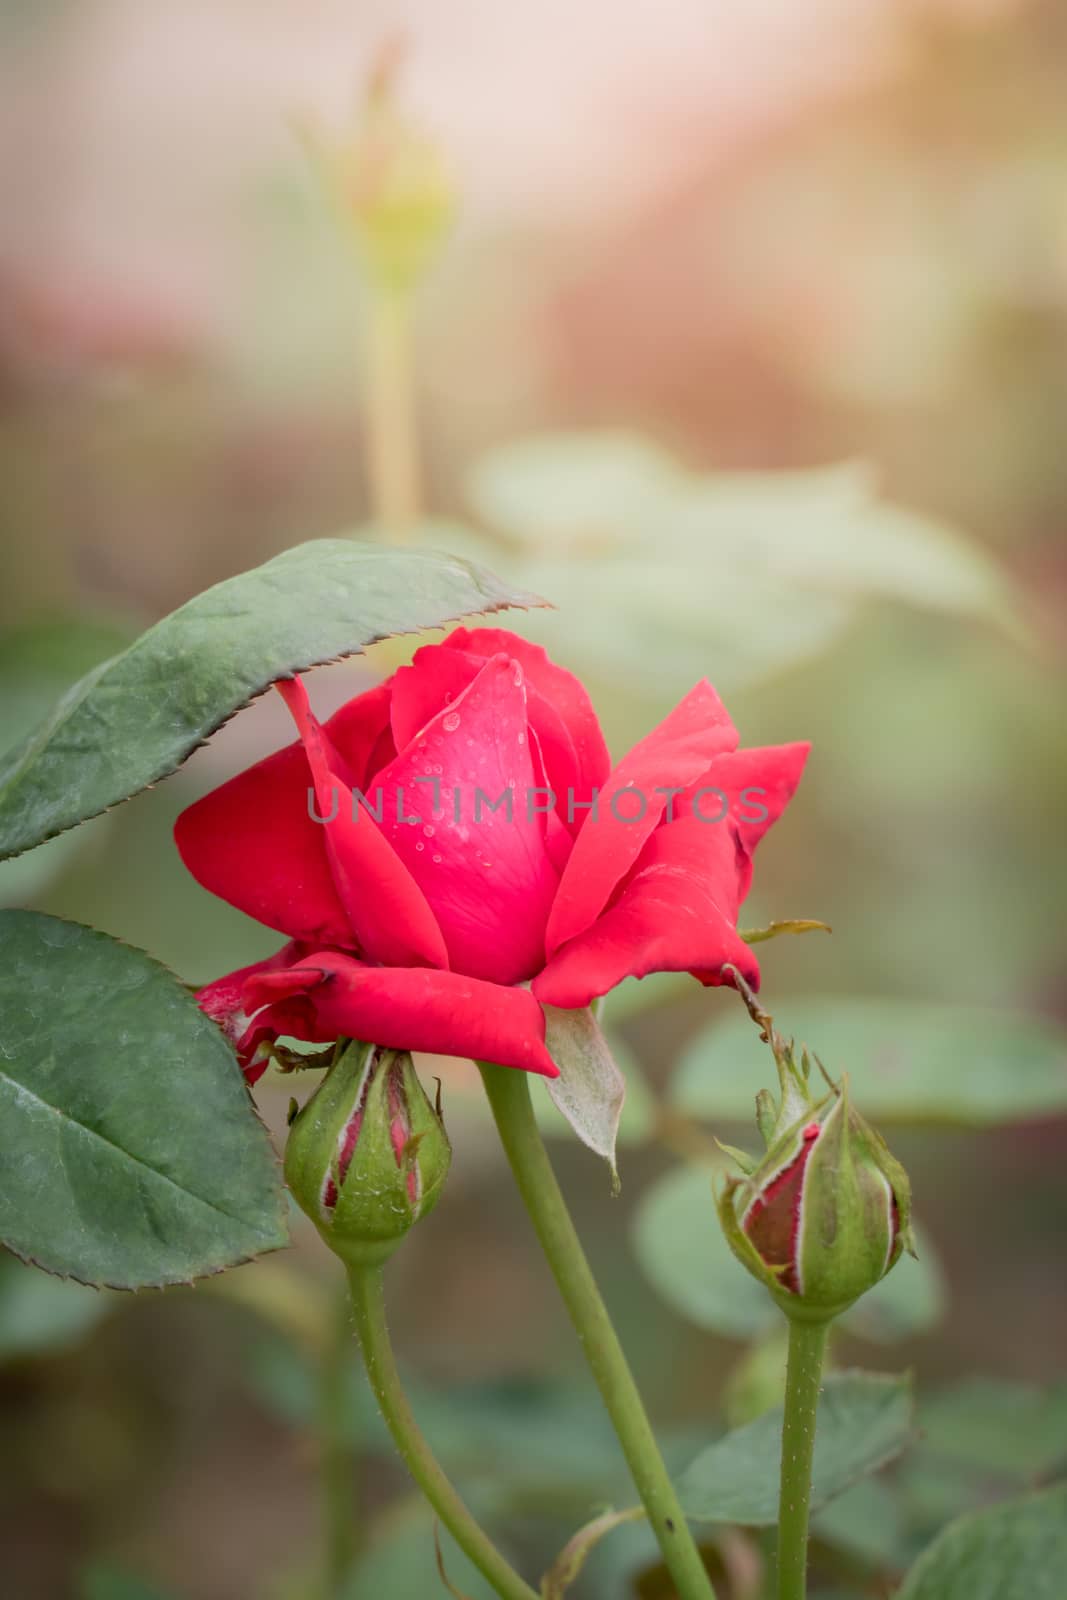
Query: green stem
column 338, row 1487
column 807, row 1346
column 368, row 1305
column 393, row 455
column 509, row 1097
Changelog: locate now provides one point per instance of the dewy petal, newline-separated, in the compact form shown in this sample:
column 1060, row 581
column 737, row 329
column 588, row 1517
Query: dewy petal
column 560, row 712
column 486, row 874
column 253, row 843
column 387, row 909
column 403, row 1008
column 676, row 913
column 672, row 756
column 435, row 678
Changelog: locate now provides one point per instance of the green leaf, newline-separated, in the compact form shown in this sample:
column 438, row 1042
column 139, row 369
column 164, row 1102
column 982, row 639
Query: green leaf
column 865, row 1420
column 637, row 543
column 564, row 487
column 998, row 1426
column 827, row 528
column 39, row 1313
column 590, row 1089
column 907, row 1061
column 402, row 1560
column 682, row 1252
column 638, row 1114
column 865, row 1520
column 1016, row 1551
column 131, row 1152
column 136, row 718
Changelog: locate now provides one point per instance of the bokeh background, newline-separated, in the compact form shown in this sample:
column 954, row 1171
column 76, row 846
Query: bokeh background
column 748, row 348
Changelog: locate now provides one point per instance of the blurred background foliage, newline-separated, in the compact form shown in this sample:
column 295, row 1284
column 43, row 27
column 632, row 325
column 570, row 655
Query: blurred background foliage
column 749, row 350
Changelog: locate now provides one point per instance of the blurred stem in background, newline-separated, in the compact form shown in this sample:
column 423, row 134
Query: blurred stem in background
column 368, row 1303
column 389, row 186
column 509, row 1098
column 392, row 445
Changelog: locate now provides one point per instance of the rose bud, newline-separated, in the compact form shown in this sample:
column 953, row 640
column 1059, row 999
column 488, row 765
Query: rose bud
column 827, row 1211
column 389, row 181
column 368, row 1154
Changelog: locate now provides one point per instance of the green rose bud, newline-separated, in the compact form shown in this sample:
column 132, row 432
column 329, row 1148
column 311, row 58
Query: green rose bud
column 389, row 181
column 827, row 1211
column 368, row 1154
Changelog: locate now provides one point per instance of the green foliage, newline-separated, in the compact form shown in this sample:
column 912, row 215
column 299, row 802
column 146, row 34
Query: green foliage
column 591, row 1090
column 579, row 492
column 907, row 1061
column 569, row 1454
column 136, row 718
column 865, row 1522
column 402, row 1561
column 865, row 1420
column 744, row 574
column 1016, row 1551
column 998, row 1426
column 131, row 1151
column 684, row 1255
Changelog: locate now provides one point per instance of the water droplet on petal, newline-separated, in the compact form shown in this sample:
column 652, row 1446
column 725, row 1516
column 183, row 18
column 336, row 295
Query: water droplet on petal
column 451, row 722
column 419, row 845
column 437, row 858
column 428, row 831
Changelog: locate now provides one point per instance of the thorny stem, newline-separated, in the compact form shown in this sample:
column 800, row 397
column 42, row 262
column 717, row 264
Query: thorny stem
column 368, row 1305
column 807, row 1347
column 509, row 1097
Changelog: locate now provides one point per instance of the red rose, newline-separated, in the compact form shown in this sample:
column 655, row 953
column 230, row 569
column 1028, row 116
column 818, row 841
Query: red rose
column 418, row 913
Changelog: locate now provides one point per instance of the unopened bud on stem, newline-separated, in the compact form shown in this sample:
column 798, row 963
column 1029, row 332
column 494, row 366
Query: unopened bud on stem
column 826, row 1212
column 368, row 1155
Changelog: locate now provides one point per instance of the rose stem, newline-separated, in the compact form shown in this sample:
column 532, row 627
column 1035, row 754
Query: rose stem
column 807, row 1346
column 336, row 1460
column 392, row 446
column 509, row 1097
column 368, row 1305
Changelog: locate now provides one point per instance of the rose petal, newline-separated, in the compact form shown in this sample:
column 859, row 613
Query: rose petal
column 676, row 913
column 757, row 785
column 560, row 712
column 404, row 1008
column 385, row 906
column 673, row 756
column 361, row 735
column 435, row 678
column 223, row 999
column 252, row 843
column 487, row 875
